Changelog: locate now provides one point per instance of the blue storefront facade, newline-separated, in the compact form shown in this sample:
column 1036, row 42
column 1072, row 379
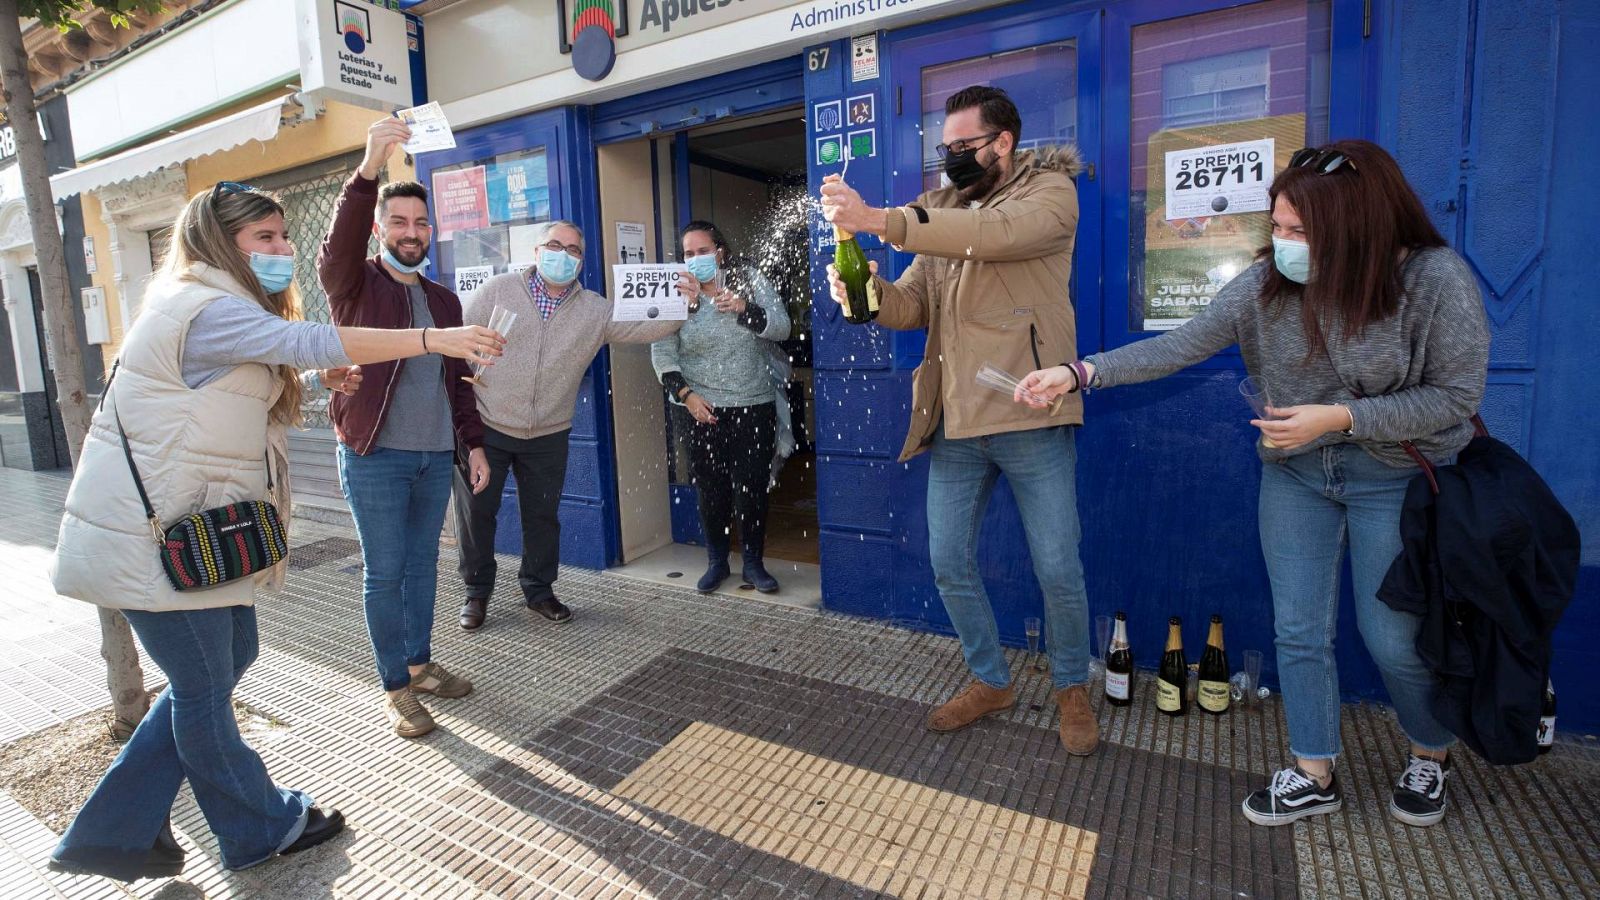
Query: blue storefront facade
column 1487, row 105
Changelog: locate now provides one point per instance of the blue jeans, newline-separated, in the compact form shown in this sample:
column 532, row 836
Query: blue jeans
column 398, row 500
column 1311, row 506
column 1041, row 467
column 190, row 732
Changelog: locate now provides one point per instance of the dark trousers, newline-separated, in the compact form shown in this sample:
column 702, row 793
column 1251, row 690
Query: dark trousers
column 540, row 467
column 730, row 462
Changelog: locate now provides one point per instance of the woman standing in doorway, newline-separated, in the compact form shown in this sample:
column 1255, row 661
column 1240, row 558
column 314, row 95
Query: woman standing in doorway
column 1369, row 331
column 716, row 372
column 202, row 395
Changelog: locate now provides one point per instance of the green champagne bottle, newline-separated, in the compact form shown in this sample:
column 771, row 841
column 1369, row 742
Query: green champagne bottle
column 1214, row 687
column 851, row 263
column 1172, row 679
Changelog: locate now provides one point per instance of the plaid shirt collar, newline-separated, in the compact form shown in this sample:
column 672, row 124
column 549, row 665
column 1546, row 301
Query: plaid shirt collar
column 541, row 298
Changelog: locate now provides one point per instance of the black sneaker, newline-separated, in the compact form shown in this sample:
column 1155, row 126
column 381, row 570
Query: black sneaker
column 1420, row 795
column 1293, row 794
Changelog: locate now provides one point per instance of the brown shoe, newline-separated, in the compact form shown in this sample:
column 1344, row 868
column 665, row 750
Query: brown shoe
column 406, row 715
column 975, row 701
column 441, row 682
column 472, row 613
column 1080, row 733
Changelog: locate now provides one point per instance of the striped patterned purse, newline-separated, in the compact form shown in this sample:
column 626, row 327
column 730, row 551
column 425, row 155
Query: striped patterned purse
column 215, row 546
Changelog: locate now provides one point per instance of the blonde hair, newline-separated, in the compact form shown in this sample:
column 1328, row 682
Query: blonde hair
column 205, row 233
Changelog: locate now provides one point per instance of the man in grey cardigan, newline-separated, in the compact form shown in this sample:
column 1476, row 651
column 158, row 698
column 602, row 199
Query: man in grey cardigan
column 526, row 404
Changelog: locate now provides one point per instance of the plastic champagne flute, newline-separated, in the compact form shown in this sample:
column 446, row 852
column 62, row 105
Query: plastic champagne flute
column 500, row 321
column 1254, row 389
column 1031, row 627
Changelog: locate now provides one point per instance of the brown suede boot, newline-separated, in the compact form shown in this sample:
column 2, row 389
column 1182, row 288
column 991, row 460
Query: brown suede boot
column 975, row 701
column 1080, row 734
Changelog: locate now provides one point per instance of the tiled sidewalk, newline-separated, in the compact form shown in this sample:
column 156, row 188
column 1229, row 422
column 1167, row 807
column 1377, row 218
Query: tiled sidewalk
column 666, row 744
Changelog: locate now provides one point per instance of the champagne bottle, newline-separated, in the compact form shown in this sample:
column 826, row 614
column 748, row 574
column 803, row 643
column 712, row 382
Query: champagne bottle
column 1173, row 676
column 1213, row 694
column 1547, row 719
column 850, row 261
column 1119, row 665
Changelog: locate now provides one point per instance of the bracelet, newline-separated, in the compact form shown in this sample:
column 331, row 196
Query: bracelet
column 425, row 341
column 1076, row 382
column 1082, row 373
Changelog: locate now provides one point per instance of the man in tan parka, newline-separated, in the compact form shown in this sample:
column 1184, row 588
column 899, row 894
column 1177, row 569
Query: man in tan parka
column 990, row 285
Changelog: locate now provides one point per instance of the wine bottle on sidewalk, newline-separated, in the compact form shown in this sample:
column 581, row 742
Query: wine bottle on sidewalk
column 1173, row 676
column 1547, row 719
column 1213, row 693
column 850, row 261
column 1119, row 665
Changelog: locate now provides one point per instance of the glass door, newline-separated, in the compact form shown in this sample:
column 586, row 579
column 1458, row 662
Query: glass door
column 1049, row 65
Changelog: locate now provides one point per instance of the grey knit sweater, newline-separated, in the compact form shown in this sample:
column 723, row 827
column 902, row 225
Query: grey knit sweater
column 718, row 354
column 1417, row 375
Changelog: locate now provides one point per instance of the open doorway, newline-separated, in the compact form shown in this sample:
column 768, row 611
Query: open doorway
column 747, row 175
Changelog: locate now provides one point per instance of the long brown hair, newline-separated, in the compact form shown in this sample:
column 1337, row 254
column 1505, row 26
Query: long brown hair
column 204, row 233
column 1362, row 220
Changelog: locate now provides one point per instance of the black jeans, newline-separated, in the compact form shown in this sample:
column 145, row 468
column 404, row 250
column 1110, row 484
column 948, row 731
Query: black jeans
column 731, row 465
column 540, row 466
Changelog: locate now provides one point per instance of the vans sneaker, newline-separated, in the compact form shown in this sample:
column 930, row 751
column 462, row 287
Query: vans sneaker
column 1293, row 794
column 1419, row 796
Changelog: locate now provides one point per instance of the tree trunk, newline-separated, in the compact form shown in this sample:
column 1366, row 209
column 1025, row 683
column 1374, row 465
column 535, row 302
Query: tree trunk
column 123, row 675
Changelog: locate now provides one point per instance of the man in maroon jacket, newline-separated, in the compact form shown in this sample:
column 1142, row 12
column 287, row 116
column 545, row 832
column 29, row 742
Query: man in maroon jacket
column 398, row 434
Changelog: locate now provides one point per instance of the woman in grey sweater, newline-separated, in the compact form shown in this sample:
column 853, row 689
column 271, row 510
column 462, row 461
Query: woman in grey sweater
column 1368, row 331
column 716, row 372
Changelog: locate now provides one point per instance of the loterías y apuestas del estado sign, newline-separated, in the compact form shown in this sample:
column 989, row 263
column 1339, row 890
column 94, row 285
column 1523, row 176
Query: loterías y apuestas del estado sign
column 590, row 28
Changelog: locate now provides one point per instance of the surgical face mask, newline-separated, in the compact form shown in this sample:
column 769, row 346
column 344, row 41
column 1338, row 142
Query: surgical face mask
column 1293, row 259
column 963, row 169
column 703, row 267
column 399, row 266
column 557, row 266
column 274, row 272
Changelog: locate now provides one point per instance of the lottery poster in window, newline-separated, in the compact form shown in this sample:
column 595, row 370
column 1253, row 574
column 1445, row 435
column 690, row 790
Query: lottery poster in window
column 460, row 201
column 519, row 190
column 1193, row 248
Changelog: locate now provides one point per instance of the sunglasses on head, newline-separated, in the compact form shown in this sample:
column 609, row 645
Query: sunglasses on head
column 1320, row 161
column 224, row 188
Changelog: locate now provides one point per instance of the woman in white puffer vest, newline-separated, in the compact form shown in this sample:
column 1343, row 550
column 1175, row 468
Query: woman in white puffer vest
column 206, row 386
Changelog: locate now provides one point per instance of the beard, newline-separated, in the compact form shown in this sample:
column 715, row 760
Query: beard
column 409, row 251
column 984, row 185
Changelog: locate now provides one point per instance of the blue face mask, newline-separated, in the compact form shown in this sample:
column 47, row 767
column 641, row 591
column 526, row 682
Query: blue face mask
column 703, row 267
column 1293, row 259
column 557, row 266
column 399, row 266
column 274, row 272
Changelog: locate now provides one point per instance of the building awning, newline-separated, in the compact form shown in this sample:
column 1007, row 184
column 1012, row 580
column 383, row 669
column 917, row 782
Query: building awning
column 258, row 123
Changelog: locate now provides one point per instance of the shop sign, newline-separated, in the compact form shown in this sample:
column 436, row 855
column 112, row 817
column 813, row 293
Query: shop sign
column 8, row 137
column 590, row 34
column 354, row 52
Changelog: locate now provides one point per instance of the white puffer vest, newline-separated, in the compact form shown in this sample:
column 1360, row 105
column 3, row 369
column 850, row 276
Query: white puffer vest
column 195, row 448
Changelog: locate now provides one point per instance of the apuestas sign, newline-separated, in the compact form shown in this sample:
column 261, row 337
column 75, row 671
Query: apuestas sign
column 354, row 52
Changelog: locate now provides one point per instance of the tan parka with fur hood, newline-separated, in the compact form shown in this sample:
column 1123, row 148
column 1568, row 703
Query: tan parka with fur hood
column 990, row 285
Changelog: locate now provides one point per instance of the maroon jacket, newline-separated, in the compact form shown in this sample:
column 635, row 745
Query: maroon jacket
column 362, row 293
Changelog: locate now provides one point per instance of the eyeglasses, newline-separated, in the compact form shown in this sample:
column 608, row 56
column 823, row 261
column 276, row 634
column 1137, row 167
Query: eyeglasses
column 1320, row 161
column 962, row 145
column 572, row 250
column 224, row 188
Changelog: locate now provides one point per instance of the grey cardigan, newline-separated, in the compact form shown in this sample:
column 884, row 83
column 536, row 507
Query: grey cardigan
column 1417, row 375
column 718, row 354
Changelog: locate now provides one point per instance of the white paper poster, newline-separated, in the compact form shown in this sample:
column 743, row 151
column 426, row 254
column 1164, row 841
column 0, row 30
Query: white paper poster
column 524, row 241
column 470, row 278
column 429, row 128
column 1222, row 179
column 864, row 57
column 646, row 292
column 630, row 243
